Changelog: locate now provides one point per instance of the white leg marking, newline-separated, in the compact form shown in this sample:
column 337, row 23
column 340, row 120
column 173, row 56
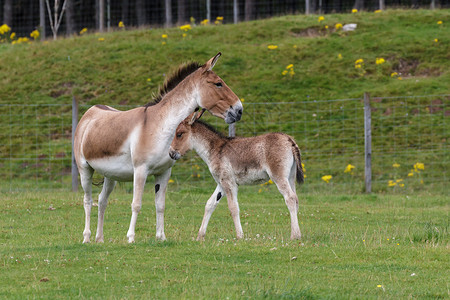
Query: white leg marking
column 86, row 183
column 211, row 205
column 161, row 182
column 140, row 176
column 108, row 186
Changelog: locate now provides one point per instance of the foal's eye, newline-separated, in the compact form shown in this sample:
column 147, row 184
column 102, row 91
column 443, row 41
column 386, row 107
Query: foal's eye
column 179, row 135
column 218, row 84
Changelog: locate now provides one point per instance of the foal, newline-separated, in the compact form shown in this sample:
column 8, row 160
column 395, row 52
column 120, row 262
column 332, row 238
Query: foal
column 242, row 161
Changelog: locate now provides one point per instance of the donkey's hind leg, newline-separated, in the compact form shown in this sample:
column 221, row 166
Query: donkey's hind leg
column 291, row 199
column 86, row 173
column 108, row 186
column 211, row 205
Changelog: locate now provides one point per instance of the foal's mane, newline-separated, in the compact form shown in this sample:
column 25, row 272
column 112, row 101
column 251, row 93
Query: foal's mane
column 211, row 128
column 172, row 81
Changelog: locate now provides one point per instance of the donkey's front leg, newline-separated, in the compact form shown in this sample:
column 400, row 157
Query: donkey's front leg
column 233, row 206
column 211, row 205
column 140, row 176
column 161, row 182
column 86, row 183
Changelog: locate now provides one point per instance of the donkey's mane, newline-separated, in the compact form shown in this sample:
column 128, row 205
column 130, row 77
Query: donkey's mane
column 211, row 128
column 172, row 81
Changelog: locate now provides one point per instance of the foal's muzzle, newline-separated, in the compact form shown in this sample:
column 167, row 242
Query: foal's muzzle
column 175, row 155
column 234, row 113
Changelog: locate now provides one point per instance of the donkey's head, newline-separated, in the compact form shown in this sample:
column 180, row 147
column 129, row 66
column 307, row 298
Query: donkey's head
column 182, row 141
column 216, row 96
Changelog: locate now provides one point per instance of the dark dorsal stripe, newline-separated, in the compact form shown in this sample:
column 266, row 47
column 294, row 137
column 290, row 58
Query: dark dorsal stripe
column 171, row 82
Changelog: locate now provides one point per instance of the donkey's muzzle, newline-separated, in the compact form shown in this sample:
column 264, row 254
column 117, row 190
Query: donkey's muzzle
column 175, row 155
column 234, row 114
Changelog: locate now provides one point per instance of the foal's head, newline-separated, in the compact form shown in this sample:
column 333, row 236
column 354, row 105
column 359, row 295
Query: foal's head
column 216, row 96
column 182, row 141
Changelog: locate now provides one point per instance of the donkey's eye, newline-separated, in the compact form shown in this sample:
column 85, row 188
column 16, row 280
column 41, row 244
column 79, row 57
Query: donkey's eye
column 218, row 84
column 179, row 135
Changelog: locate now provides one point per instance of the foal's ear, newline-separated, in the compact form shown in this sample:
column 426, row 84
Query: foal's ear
column 210, row 63
column 195, row 116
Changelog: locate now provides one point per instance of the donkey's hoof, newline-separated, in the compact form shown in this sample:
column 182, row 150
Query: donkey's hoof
column 86, row 241
column 99, row 240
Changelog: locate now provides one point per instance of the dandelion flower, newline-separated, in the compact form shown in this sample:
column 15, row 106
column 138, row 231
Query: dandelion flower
column 12, row 36
column 204, row 22
column 289, row 66
column 349, row 168
column 121, row 25
column 4, row 29
column 284, row 72
column 359, row 61
column 186, row 27
column 171, row 181
column 327, row 178
column 34, row 34
column 377, row 11
column 411, row 174
column 419, row 166
column 101, row 39
column 321, row 18
column 400, row 78
column 164, row 36
column 83, row 31
column 272, row 47
column 396, row 165
column 401, row 185
column 436, row 40
column 339, row 56
column 149, row 79
column 242, row 100
column 220, row 18
column 379, row 60
column 399, row 180
column 354, row 11
column 338, row 26
column 392, row 183
column 393, row 74
column 439, row 22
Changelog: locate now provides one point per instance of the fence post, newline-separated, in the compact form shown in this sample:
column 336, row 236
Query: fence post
column 232, row 130
column 74, row 126
column 367, row 143
column 235, row 11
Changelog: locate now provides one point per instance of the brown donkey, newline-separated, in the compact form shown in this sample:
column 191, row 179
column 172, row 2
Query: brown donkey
column 242, row 161
column 130, row 145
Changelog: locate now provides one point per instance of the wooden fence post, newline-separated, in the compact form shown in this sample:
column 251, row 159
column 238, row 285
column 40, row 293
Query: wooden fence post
column 368, row 143
column 74, row 126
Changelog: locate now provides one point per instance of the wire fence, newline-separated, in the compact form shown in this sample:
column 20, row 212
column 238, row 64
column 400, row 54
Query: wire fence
column 24, row 16
column 410, row 144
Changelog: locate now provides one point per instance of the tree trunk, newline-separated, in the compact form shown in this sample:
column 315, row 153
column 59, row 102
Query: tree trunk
column 140, row 13
column 181, row 11
column 249, row 10
column 70, row 24
column 7, row 12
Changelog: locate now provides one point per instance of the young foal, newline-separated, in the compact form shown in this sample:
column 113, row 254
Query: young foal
column 130, row 145
column 240, row 161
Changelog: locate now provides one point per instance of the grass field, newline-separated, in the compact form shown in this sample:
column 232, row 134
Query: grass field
column 353, row 246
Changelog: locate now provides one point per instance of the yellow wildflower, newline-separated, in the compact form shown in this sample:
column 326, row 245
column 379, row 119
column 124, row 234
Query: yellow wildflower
column 401, row 185
column 339, row 56
column 284, row 72
column 186, row 27
column 392, row 183
column 326, row 26
column 164, row 36
column 12, row 36
column 359, row 61
column 242, row 100
column 4, row 29
column 436, row 40
column 289, row 66
column 321, row 18
column 327, row 178
column 349, row 168
column 358, row 66
column 83, row 31
column 204, row 22
column 34, row 34
column 149, row 79
column 377, row 11
column 338, row 26
column 220, row 18
column 121, row 25
column 101, row 39
column 272, row 47
column 354, row 11
column 399, row 180
column 393, row 74
column 303, row 168
column 171, row 181
column 419, row 166
column 396, row 165
column 410, row 174
column 184, row 35
column 439, row 22
column 291, row 72
column 163, row 43
column 379, row 60
column 400, row 78
column 270, row 181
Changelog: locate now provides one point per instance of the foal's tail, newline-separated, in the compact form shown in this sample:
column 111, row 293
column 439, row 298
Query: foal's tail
column 298, row 160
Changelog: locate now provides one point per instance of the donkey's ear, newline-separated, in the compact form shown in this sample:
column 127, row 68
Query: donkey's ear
column 195, row 116
column 210, row 63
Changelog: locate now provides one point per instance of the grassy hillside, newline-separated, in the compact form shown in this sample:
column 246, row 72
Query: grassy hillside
column 125, row 67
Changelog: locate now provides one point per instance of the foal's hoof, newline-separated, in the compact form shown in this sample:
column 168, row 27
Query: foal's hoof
column 296, row 237
column 86, row 241
column 99, row 240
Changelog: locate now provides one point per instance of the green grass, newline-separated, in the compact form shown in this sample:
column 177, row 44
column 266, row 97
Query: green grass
column 351, row 244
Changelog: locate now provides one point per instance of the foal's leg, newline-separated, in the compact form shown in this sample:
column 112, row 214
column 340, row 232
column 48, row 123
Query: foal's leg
column 291, row 199
column 108, row 186
column 140, row 176
column 211, row 205
column 233, row 206
column 161, row 182
column 86, row 173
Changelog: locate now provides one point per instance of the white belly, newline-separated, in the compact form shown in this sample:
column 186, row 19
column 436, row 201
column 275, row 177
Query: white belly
column 118, row 168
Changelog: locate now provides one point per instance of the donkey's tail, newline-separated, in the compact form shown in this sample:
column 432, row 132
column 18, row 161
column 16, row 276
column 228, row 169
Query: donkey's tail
column 298, row 160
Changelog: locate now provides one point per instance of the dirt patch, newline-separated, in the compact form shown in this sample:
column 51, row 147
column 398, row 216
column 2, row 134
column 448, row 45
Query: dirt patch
column 64, row 89
column 406, row 67
column 311, row 32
